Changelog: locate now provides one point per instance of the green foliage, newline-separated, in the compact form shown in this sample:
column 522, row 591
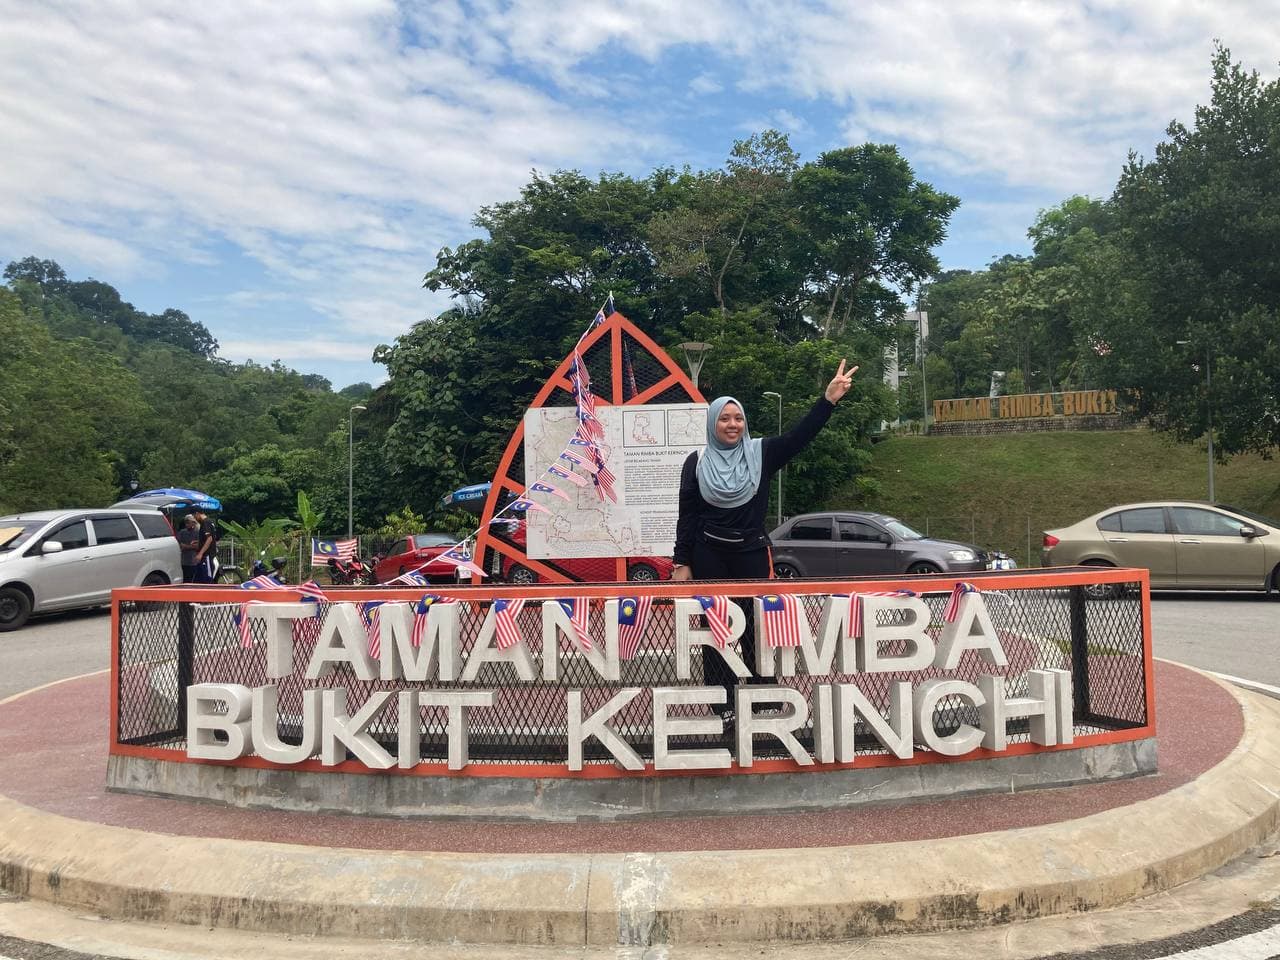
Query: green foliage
column 265, row 539
column 68, row 410
column 401, row 523
column 98, row 393
column 1202, row 223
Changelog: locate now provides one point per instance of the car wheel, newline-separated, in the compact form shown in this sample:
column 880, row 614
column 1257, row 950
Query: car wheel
column 1100, row 591
column 15, row 607
column 642, row 573
column 1275, row 580
column 922, row 567
column 785, row 571
column 521, row 575
column 155, row 579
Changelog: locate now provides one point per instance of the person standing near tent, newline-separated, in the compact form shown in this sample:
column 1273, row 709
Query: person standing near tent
column 204, row 553
column 724, row 493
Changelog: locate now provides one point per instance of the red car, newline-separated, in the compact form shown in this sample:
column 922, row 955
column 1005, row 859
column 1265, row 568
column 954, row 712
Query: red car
column 641, row 569
column 410, row 553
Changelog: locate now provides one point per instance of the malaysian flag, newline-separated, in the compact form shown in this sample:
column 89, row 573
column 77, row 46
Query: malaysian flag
column 633, row 614
column 322, row 551
column 372, row 624
column 241, row 620
column 421, row 610
column 604, row 312
column 717, row 612
column 781, row 619
column 263, row 582
column 578, row 461
column 603, row 478
column 525, row 505
column 311, row 591
column 579, row 611
column 952, row 609
column 542, row 486
column 460, row 556
column 566, row 475
column 856, row 612
column 505, row 625
column 410, row 578
column 628, row 373
column 588, row 424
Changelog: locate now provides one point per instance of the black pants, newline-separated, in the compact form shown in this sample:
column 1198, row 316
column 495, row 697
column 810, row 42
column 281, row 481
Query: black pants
column 710, row 563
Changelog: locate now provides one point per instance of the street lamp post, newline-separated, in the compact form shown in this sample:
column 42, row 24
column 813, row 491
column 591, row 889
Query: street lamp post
column 695, row 353
column 351, row 459
column 1208, row 411
column 778, row 397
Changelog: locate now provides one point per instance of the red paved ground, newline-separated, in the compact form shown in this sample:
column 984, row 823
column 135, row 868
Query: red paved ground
column 54, row 749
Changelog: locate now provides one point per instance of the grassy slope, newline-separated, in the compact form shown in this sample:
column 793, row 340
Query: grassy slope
column 994, row 489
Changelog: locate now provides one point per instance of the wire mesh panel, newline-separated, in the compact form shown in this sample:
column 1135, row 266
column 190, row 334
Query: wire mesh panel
column 165, row 646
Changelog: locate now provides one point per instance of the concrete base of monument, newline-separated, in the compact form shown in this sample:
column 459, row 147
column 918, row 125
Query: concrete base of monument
column 566, row 799
column 911, row 866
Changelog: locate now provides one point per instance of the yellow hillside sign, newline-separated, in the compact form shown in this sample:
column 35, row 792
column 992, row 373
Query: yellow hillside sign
column 1074, row 403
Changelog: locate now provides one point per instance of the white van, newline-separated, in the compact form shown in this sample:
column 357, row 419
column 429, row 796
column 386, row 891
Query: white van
column 63, row 559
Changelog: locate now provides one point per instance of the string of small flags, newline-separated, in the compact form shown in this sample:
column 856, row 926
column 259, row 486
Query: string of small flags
column 583, row 451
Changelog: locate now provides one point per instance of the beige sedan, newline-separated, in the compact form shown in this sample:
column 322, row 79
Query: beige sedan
column 1186, row 545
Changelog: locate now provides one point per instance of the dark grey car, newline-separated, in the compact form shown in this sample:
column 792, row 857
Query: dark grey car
column 852, row 544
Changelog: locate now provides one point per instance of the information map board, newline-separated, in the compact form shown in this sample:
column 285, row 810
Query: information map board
column 645, row 448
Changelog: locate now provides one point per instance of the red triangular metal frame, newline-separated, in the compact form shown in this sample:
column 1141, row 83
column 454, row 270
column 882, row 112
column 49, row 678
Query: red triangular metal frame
column 613, row 327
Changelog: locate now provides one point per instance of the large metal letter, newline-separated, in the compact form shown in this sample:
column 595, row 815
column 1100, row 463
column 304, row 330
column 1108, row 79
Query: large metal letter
column 688, row 637
column 214, row 708
column 343, row 639
column 959, row 635
column 966, row 738
column 914, row 632
column 665, row 727
column 459, row 704
column 794, row 715
column 266, row 737
column 339, row 732
column 597, row 725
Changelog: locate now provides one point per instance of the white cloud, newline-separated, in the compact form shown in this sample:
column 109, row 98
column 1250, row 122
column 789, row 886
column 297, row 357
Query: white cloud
column 341, row 144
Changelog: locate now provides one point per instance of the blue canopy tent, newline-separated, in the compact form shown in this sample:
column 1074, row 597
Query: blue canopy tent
column 469, row 498
column 173, row 498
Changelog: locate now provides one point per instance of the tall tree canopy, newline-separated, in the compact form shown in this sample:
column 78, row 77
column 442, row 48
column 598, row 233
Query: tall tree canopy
column 784, row 267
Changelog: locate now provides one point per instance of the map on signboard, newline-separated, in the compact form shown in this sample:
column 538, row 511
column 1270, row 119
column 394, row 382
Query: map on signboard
column 644, row 447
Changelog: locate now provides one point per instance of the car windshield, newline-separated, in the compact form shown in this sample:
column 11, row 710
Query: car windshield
column 14, row 533
column 1250, row 514
column 901, row 530
column 434, row 540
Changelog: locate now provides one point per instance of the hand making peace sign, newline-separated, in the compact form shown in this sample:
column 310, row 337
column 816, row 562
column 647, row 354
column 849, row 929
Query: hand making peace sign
column 840, row 383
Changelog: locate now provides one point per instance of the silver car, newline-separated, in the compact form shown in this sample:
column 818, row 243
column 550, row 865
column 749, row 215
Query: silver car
column 64, row 559
column 1185, row 544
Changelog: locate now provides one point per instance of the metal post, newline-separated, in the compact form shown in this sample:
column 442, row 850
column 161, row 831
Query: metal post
column 778, row 397
column 1079, row 654
column 1208, row 406
column 351, row 456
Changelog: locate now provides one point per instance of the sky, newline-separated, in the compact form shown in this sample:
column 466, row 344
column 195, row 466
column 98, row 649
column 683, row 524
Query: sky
column 286, row 172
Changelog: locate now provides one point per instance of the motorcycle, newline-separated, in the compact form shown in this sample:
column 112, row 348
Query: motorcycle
column 348, row 573
column 276, row 570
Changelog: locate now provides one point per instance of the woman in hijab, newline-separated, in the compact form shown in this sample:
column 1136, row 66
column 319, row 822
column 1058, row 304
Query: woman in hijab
column 724, row 492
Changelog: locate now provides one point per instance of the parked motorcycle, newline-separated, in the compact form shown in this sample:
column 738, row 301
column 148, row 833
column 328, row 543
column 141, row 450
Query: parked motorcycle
column 348, row 573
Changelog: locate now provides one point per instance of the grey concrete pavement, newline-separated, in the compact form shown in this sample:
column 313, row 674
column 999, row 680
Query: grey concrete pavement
column 53, row 648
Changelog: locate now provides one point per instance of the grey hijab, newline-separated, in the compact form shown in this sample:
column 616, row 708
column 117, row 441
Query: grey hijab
column 728, row 475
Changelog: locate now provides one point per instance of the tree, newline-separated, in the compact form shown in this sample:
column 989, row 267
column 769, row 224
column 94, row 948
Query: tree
column 871, row 229
column 708, row 235
column 1200, row 226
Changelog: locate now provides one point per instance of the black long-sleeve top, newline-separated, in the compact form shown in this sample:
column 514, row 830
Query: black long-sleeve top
column 775, row 453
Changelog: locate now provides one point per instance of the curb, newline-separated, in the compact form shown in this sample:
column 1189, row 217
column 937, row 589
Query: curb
column 640, row 899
